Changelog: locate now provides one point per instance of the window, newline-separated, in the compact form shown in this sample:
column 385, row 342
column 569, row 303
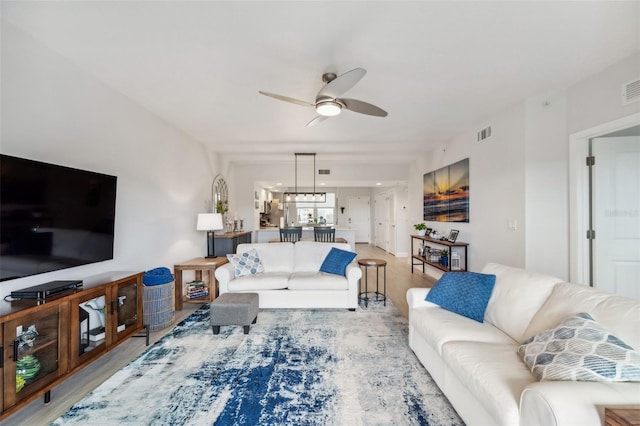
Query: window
column 317, row 212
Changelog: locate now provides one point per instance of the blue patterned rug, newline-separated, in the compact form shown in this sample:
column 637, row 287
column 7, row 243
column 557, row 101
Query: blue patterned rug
column 295, row 367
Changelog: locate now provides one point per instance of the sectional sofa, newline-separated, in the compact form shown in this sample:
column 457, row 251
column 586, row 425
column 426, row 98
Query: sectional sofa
column 478, row 367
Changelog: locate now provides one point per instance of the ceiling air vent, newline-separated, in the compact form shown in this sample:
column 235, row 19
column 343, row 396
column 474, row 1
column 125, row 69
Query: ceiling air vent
column 484, row 134
column 324, row 171
column 631, row 92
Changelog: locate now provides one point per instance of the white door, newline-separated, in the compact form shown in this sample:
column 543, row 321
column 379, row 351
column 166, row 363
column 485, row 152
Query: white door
column 360, row 217
column 616, row 215
column 391, row 224
column 381, row 239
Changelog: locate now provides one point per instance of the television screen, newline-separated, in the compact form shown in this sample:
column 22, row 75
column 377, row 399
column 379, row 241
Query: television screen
column 53, row 217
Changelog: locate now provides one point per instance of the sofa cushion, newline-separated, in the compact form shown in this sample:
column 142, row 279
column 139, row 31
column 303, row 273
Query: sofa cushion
column 493, row 373
column 275, row 257
column 465, row 293
column 265, row 281
column 336, row 261
column 317, row 281
column 618, row 315
column 517, row 296
column 247, row 263
column 580, row 349
column 439, row 326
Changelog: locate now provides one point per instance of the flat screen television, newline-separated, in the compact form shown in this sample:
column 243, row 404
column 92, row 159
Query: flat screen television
column 53, row 217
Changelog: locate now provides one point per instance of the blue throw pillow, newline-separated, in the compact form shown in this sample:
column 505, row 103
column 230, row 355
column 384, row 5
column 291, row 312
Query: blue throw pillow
column 465, row 293
column 336, row 261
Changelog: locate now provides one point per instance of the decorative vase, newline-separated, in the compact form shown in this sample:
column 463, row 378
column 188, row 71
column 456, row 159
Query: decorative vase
column 444, row 260
column 422, row 232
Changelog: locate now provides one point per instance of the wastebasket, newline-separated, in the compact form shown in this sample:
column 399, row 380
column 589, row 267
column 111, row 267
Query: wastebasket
column 158, row 299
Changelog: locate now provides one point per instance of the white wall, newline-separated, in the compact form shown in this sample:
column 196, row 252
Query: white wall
column 54, row 112
column 496, row 186
column 522, row 172
column 546, row 188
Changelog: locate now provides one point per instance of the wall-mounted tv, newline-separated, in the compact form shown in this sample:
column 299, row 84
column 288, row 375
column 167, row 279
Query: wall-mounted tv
column 53, row 217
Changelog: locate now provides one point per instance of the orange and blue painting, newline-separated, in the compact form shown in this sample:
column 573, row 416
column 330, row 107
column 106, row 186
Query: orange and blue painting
column 446, row 193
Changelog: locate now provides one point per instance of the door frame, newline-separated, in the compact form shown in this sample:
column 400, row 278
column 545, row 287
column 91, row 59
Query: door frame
column 579, row 193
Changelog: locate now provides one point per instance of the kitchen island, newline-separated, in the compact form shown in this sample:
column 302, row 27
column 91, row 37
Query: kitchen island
column 264, row 235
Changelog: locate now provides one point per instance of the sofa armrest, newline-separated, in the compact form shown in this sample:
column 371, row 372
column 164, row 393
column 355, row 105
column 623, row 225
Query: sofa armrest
column 573, row 403
column 416, row 296
column 353, row 273
column 224, row 274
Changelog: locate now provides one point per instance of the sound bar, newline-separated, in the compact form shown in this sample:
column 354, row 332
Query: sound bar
column 42, row 291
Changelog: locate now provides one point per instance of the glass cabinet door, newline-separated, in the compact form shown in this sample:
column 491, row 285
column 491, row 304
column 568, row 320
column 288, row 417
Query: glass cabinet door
column 125, row 301
column 88, row 326
column 35, row 352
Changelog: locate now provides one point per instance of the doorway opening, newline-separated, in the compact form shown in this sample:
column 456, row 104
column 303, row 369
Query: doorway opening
column 605, row 207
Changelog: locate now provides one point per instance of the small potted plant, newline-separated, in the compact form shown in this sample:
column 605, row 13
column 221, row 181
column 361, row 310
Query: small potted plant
column 421, row 228
column 444, row 257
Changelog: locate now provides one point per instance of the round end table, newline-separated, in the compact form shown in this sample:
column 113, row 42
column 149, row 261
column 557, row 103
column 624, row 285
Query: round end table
column 370, row 263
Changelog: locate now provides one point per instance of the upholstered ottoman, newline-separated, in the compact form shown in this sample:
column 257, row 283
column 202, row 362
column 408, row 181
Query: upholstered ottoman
column 234, row 309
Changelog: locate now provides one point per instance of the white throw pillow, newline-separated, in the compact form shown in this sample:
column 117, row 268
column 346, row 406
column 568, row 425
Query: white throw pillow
column 247, row 263
column 580, row 349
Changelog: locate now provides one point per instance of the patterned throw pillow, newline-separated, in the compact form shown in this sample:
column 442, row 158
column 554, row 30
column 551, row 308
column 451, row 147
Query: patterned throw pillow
column 465, row 293
column 336, row 261
column 580, row 349
column 247, row 263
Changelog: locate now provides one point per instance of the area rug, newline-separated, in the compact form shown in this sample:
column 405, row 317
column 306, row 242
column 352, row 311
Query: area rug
column 295, row 367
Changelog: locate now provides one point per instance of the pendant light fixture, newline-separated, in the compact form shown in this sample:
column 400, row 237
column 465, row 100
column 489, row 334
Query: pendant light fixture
column 305, row 196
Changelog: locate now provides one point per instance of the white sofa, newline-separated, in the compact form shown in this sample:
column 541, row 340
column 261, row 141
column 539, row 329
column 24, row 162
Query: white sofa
column 291, row 277
column 477, row 366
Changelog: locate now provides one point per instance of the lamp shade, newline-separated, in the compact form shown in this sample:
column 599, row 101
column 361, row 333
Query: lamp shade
column 209, row 222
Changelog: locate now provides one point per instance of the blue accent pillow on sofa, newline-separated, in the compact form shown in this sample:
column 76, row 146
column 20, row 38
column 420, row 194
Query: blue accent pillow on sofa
column 336, row 261
column 465, row 293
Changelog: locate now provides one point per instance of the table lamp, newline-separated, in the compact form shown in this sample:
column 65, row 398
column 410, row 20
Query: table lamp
column 210, row 222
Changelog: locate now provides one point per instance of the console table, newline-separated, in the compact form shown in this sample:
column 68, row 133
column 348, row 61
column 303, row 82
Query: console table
column 416, row 259
column 199, row 264
column 227, row 243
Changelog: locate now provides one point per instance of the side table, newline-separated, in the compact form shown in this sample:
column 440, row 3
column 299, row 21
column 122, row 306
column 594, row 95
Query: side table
column 199, row 264
column 377, row 263
column 621, row 416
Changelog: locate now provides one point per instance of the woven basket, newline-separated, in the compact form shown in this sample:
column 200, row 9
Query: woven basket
column 159, row 306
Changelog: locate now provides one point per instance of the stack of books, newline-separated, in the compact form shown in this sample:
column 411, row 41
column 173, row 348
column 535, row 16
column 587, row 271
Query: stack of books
column 197, row 290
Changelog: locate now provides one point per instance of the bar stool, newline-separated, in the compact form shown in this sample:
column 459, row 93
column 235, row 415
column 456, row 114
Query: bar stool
column 378, row 263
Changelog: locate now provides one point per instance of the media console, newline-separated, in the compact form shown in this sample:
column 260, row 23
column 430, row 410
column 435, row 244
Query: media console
column 44, row 342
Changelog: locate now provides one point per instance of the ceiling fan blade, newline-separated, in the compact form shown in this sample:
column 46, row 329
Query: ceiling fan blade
column 318, row 119
column 342, row 83
column 286, row 99
column 363, row 107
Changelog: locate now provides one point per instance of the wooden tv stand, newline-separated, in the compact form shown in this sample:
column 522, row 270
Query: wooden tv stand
column 42, row 343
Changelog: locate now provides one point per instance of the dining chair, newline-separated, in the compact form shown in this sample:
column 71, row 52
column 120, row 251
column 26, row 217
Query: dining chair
column 324, row 235
column 292, row 234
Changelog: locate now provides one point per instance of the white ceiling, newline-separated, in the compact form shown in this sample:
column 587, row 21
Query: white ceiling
column 438, row 68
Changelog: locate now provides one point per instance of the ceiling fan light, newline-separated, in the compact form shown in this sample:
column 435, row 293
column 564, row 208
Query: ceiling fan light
column 328, row 108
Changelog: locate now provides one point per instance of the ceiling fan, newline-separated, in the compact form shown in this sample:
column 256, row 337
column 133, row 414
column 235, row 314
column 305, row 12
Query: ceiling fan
column 328, row 104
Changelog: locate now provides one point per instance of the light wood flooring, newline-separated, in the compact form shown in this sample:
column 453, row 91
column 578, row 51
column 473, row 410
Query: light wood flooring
column 399, row 280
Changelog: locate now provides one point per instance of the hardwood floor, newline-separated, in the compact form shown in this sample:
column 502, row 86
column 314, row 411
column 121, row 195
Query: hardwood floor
column 399, row 280
column 399, row 276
